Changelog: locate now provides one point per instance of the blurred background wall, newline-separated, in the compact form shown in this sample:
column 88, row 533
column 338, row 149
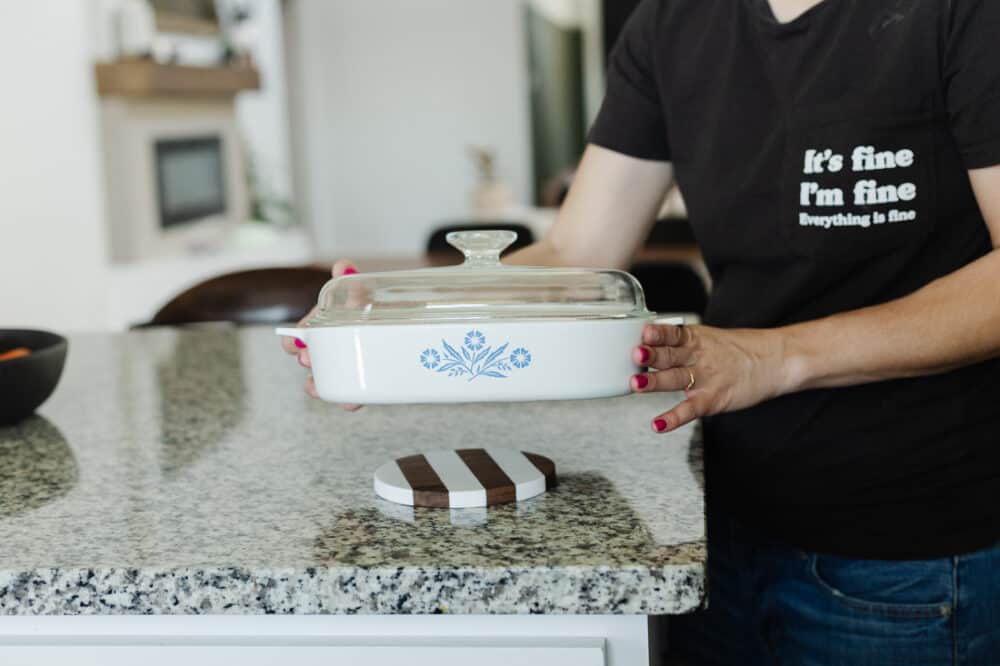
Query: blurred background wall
column 53, row 257
column 392, row 94
column 340, row 127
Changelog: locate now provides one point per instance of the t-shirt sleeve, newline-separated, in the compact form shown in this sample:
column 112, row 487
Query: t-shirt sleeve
column 972, row 80
column 631, row 118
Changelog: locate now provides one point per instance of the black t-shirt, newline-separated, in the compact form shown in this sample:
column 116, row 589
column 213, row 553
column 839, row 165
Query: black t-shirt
column 824, row 165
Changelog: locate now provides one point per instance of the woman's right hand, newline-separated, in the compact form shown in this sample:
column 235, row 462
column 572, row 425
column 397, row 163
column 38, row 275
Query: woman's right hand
column 299, row 348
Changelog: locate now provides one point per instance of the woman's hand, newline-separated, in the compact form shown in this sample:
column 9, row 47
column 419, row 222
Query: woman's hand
column 720, row 370
column 299, row 348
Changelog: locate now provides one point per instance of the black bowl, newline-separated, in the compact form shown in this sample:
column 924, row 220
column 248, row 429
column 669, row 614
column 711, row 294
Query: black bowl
column 28, row 381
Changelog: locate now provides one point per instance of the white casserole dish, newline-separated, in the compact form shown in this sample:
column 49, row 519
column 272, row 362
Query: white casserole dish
column 478, row 332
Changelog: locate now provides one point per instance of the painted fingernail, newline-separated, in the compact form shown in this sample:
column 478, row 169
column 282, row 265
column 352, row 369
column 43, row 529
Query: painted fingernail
column 641, row 381
column 659, row 425
column 643, row 354
column 300, row 344
column 350, row 270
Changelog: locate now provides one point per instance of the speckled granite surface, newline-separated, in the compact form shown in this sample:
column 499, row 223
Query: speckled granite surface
column 187, row 473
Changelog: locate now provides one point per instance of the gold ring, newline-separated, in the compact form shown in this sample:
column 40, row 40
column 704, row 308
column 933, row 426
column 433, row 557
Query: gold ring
column 691, row 382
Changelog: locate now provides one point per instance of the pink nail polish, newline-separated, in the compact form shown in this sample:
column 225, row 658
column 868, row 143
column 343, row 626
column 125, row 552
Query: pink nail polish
column 300, row 344
column 643, row 354
column 350, row 270
column 659, row 425
column 641, row 381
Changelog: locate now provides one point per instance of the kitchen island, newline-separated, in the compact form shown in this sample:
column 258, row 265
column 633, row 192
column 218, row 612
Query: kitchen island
column 180, row 492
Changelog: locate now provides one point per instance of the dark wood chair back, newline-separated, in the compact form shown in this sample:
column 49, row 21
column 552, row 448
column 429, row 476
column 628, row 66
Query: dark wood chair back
column 671, row 287
column 260, row 296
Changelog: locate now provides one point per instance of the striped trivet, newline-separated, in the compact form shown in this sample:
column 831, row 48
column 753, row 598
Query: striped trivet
column 465, row 478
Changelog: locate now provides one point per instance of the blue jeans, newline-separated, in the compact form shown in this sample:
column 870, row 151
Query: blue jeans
column 770, row 603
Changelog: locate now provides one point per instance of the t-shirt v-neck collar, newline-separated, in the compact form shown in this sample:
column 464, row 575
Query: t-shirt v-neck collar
column 764, row 12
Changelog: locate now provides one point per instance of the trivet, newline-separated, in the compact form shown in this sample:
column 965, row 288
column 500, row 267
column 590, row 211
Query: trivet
column 465, row 478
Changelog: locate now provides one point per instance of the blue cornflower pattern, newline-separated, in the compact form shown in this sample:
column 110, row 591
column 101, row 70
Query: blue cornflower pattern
column 520, row 358
column 475, row 358
column 430, row 358
column 475, row 340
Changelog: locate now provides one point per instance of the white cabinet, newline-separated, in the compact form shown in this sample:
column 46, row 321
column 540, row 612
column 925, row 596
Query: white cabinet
column 325, row 640
column 303, row 652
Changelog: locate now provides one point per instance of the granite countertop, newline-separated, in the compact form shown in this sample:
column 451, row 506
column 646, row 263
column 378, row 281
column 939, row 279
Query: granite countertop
column 186, row 472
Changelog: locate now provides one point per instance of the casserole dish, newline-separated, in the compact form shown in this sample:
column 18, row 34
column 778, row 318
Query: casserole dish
column 476, row 332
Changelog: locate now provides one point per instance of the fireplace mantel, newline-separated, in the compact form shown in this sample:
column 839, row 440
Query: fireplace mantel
column 138, row 131
column 145, row 78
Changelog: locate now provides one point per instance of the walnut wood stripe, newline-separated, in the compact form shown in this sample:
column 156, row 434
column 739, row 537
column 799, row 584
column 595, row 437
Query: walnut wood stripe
column 499, row 487
column 545, row 466
column 428, row 490
column 464, row 478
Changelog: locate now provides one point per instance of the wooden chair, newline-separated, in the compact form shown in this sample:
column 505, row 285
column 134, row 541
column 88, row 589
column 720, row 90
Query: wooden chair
column 260, row 296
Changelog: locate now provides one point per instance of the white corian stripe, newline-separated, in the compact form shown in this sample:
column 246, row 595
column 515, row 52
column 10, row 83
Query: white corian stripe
column 464, row 489
column 528, row 480
column 390, row 484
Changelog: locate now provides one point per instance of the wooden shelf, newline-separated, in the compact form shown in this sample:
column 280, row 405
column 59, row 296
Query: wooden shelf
column 145, row 78
column 168, row 22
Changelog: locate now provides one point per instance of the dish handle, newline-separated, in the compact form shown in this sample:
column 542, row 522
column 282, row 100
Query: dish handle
column 293, row 332
column 675, row 318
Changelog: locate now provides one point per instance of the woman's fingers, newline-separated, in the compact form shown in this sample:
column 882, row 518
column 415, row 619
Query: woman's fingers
column 288, row 344
column 674, row 379
column 343, row 267
column 662, row 357
column 297, row 347
column 682, row 414
column 718, row 370
column 303, row 357
column 356, row 294
column 666, row 334
column 294, row 345
column 311, row 386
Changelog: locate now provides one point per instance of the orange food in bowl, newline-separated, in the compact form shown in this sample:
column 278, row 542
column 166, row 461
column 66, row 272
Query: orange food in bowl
column 17, row 352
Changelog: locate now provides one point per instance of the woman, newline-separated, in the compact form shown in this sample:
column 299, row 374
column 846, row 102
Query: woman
column 839, row 160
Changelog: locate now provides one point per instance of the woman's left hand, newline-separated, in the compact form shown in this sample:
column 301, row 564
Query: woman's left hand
column 720, row 370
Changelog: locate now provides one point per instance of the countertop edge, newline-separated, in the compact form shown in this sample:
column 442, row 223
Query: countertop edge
column 668, row 590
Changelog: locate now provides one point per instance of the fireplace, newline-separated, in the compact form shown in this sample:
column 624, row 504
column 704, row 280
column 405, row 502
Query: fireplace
column 190, row 179
column 174, row 175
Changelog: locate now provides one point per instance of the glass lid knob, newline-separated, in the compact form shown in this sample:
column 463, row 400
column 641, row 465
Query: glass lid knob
column 481, row 248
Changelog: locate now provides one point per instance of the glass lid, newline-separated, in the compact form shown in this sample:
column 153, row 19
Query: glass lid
column 480, row 288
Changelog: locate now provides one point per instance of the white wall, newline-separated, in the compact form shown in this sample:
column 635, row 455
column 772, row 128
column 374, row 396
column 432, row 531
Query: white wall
column 263, row 114
column 393, row 93
column 52, row 241
column 55, row 270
